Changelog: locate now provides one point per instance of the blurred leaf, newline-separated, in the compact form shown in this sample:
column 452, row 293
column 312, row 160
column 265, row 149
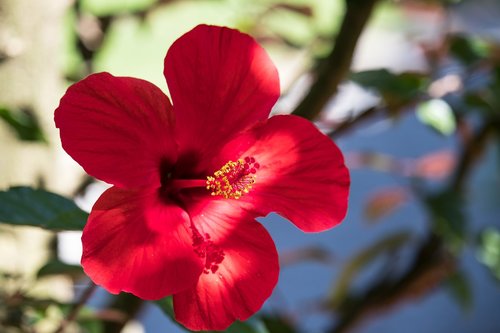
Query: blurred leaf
column 24, row 123
column 467, row 49
column 385, row 201
column 28, row 206
column 57, row 267
column 436, row 165
column 396, row 89
column 113, row 7
column 91, row 325
column 241, row 327
column 437, row 114
column 167, row 306
column 277, row 324
column 383, row 246
column 459, row 287
column 89, row 322
column 448, row 217
column 488, row 250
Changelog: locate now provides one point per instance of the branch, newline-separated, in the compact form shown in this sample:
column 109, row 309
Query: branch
column 338, row 62
column 75, row 309
column 349, row 124
column 472, row 151
column 431, row 266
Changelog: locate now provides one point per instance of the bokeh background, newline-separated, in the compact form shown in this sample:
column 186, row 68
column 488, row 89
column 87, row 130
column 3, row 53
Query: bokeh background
column 409, row 90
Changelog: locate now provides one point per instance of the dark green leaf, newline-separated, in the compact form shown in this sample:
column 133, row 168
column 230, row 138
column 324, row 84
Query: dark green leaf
column 167, row 306
column 276, row 324
column 396, row 89
column 28, row 206
column 56, row 267
column 448, row 217
column 466, row 49
column 459, row 287
column 24, row 123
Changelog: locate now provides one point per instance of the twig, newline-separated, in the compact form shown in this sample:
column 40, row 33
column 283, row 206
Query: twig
column 75, row 309
column 338, row 62
column 472, row 150
column 431, row 266
column 349, row 124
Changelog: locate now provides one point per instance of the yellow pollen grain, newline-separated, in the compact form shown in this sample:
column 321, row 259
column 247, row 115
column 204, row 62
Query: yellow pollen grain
column 231, row 181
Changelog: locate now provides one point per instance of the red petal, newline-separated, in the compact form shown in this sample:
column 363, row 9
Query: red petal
column 302, row 175
column 118, row 128
column 136, row 243
column 221, row 81
column 241, row 282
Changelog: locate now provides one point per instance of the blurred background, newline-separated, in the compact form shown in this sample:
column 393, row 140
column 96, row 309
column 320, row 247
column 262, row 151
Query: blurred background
column 409, row 90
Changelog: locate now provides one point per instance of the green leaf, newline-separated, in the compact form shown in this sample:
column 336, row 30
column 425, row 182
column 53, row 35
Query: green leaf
column 488, row 251
column 113, row 7
column 468, row 50
column 383, row 246
column 459, row 287
column 437, row 114
column 448, row 217
column 277, row 324
column 28, row 206
column 57, row 267
column 396, row 89
column 167, row 306
column 24, row 123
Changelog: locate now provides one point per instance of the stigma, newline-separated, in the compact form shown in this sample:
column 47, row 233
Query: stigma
column 234, row 179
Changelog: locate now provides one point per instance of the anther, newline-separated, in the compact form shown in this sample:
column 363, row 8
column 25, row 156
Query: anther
column 234, row 179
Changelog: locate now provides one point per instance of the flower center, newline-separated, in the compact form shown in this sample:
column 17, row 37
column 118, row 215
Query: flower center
column 234, row 179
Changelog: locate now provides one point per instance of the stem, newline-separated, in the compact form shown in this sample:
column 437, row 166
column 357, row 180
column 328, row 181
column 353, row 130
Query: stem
column 75, row 309
column 339, row 60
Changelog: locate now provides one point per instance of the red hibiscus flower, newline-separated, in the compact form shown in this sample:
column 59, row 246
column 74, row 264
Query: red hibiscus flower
column 190, row 179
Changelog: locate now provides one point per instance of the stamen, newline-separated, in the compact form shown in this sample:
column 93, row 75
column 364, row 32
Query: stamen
column 234, row 179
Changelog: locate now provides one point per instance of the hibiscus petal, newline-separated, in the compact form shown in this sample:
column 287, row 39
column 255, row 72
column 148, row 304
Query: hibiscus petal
column 221, row 81
column 301, row 173
column 118, row 128
column 137, row 243
column 241, row 281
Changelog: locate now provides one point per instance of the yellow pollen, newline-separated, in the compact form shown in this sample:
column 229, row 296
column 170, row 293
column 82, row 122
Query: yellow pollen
column 234, row 179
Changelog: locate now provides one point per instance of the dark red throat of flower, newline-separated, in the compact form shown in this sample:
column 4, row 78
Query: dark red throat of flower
column 231, row 181
column 234, row 179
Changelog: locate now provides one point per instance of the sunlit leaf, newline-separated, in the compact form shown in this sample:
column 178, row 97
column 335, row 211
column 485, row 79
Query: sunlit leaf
column 24, row 124
column 356, row 264
column 110, row 7
column 437, row 114
column 385, row 201
column 488, row 250
column 28, row 206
